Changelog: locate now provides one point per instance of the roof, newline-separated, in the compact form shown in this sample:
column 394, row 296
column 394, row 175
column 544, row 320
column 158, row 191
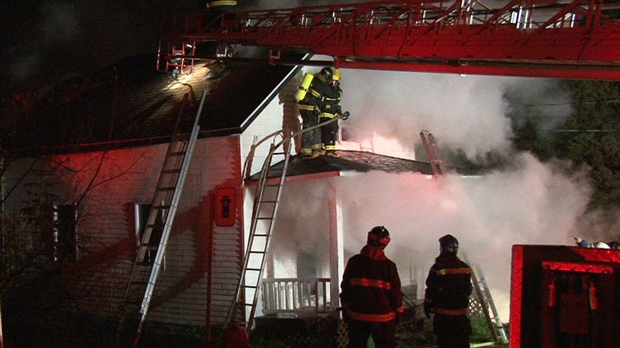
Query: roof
column 131, row 103
column 350, row 161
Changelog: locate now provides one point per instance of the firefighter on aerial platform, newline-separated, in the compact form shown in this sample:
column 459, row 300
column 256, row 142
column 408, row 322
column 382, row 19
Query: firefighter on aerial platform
column 597, row 245
column 372, row 300
column 331, row 107
column 311, row 95
column 448, row 287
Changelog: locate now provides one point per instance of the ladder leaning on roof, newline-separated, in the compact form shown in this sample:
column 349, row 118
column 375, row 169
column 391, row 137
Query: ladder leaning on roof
column 152, row 244
column 432, row 151
column 266, row 201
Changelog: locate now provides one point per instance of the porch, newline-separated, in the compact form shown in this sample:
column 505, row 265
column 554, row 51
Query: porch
column 296, row 296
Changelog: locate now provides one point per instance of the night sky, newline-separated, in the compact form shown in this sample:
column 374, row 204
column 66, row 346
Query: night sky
column 44, row 42
column 48, row 41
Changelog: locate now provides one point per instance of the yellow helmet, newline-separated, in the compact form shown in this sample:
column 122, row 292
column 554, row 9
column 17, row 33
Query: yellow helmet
column 337, row 75
column 331, row 74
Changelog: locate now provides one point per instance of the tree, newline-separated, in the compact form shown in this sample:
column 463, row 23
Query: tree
column 591, row 136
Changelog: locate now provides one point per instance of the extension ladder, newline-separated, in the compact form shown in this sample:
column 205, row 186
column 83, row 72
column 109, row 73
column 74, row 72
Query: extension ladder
column 486, row 302
column 145, row 271
column 432, row 151
column 266, row 201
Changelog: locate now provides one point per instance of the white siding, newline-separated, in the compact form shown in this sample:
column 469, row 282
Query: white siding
column 108, row 185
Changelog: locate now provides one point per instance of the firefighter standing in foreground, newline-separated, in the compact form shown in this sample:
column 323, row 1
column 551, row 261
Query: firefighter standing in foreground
column 371, row 296
column 448, row 287
column 311, row 95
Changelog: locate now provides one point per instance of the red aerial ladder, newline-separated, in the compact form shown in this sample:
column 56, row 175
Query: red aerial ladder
column 543, row 38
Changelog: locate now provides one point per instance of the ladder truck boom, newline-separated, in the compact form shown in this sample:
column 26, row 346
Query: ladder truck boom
column 574, row 39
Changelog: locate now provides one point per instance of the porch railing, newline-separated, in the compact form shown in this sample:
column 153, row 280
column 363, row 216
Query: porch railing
column 296, row 295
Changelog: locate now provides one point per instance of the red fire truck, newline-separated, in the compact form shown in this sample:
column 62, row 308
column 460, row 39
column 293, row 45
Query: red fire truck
column 564, row 296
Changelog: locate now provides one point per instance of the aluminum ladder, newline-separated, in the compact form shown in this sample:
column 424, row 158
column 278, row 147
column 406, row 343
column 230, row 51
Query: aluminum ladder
column 486, row 302
column 266, row 201
column 432, row 151
column 145, row 270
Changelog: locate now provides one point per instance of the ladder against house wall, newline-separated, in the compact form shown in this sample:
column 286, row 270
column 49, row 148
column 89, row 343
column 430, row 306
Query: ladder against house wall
column 266, row 201
column 432, row 151
column 264, row 211
column 152, row 244
column 486, row 305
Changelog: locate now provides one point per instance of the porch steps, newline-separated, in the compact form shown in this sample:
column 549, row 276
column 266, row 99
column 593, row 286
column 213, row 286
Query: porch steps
column 152, row 245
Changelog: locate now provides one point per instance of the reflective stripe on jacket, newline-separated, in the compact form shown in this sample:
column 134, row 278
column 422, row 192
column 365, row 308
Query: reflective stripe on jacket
column 371, row 288
column 448, row 286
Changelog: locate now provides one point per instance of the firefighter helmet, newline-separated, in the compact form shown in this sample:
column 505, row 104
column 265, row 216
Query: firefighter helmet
column 379, row 236
column 600, row 245
column 448, row 244
column 331, row 74
column 337, row 74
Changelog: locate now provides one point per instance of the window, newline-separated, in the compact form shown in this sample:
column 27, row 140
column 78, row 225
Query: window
column 65, row 237
column 143, row 212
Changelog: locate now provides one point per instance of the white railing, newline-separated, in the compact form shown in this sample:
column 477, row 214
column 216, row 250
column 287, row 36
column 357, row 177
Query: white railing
column 296, row 295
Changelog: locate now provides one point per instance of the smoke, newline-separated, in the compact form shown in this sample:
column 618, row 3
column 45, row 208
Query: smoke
column 531, row 204
column 468, row 113
column 528, row 202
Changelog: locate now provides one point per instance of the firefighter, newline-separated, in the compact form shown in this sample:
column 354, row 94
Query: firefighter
column 371, row 296
column 448, row 287
column 597, row 245
column 330, row 108
column 315, row 89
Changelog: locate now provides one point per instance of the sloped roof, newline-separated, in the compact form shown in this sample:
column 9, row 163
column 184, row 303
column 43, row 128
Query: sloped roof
column 131, row 104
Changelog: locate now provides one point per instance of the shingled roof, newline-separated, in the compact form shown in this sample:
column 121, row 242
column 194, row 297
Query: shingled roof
column 131, row 104
column 351, row 161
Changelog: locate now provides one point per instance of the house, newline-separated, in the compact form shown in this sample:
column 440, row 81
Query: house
column 86, row 193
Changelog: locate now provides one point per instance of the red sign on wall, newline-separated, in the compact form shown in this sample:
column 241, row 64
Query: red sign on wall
column 225, row 206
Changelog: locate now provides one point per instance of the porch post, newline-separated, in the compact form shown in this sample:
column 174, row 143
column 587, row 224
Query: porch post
column 336, row 246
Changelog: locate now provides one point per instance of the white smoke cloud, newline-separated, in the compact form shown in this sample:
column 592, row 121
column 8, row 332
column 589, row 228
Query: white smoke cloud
column 532, row 204
column 528, row 203
column 466, row 113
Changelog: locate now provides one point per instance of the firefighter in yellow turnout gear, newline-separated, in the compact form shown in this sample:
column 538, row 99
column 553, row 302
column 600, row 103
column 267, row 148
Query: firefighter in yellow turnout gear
column 317, row 95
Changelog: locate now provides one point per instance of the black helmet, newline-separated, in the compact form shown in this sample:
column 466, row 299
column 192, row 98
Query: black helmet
column 448, row 244
column 379, row 236
column 328, row 74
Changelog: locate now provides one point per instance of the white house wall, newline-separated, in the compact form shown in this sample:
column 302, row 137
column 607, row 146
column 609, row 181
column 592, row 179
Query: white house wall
column 106, row 226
